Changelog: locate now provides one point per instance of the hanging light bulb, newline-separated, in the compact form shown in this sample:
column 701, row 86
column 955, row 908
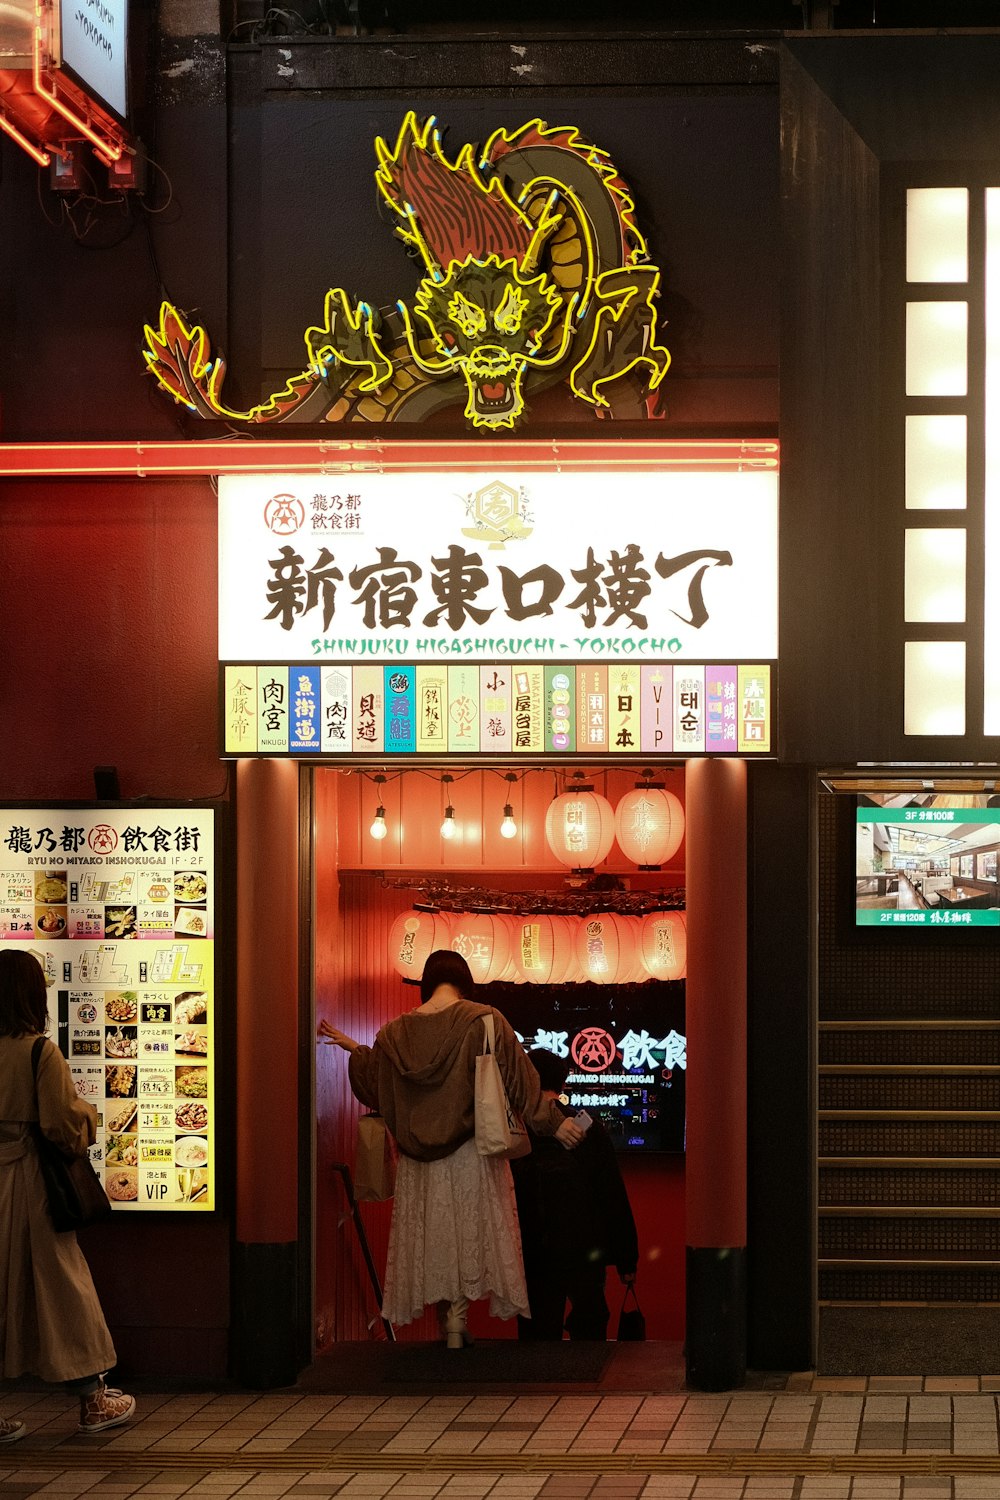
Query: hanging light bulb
column 448, row 827
column 378, row 830
column 508, row 828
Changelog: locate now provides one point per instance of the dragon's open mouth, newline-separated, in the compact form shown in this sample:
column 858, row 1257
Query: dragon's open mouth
column 494, row 396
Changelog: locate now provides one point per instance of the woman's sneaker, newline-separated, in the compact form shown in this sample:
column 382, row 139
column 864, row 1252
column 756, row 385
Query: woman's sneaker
column 11, row 1430
column 104, row 1408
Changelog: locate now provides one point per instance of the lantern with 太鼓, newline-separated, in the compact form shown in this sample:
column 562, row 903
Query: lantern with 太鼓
column 580, row 828
column 649, row 826
column 605, row 946
column 664, row 944
column 542, row 949
column 413, row 937
column 484, row 941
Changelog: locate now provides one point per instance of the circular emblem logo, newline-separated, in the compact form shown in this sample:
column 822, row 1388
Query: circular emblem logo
column 102, row 838
column 284, row 514
column 593, row 1049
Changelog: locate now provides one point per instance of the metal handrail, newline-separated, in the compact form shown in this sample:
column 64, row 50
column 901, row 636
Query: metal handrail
column 345, row 1177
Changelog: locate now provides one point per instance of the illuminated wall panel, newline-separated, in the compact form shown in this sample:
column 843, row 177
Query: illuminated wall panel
column 936, row 462
column 991, row 489
column 936, row 348
column 937, row 234
column 934, row 687
column 935, row 575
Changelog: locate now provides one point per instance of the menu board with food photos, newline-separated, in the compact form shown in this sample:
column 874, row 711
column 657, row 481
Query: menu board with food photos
column 118, row 908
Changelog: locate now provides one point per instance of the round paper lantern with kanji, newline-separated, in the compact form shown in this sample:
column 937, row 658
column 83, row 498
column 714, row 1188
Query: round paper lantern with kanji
column 413, row 937
column 580, row 828
column 483, row 939
column 664, row 944
column 631, row 969
column 605, row 946
column 542, row 949
column 649, row 826
column 570, row 926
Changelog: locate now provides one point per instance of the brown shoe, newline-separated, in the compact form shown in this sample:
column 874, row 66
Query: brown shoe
column 104, row 1408
column 11, row 1430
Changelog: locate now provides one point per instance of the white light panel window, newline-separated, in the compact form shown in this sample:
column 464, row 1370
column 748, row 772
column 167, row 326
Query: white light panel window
column 934, row 687
column 937, row 234
column 935, row 575
column 991, row 487
column 936, row 345
column 935, row 463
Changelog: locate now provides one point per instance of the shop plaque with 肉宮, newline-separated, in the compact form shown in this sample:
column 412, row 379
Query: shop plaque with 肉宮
column 118, row 907
column 543, row 614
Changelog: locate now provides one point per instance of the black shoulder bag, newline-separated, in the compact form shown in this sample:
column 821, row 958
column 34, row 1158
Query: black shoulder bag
column 631, row 1323
column 75, row 1195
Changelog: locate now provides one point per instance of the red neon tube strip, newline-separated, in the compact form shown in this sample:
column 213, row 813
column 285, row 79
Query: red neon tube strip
column 252, row 456
column 35, row 152
column 101, row 145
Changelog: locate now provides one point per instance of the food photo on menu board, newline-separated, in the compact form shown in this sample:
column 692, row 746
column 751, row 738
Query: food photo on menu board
column 118, row 908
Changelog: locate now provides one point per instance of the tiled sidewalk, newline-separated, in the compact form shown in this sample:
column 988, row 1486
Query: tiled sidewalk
column 899, row 1439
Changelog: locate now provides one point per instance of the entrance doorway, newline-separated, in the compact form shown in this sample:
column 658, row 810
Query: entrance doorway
column 363, row 886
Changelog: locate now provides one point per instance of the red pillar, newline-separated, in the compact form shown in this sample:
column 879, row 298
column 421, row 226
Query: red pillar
column 716, row 880
column 265, row 1319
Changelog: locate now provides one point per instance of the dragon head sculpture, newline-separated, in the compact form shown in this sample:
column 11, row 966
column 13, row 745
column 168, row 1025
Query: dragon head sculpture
column 488, row 321
column 483, row 310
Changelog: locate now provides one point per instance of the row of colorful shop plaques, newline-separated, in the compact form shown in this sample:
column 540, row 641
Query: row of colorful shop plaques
column 405, row 709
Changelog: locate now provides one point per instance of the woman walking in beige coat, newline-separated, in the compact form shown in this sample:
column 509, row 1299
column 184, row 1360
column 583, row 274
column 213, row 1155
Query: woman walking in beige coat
column 51, row 1324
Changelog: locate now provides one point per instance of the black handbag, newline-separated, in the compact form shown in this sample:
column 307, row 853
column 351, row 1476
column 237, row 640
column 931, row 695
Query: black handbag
column 631, row 1321
column 75, row 1194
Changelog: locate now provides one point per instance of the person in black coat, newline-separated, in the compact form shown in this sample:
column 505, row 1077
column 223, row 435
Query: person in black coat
column 575, row 1221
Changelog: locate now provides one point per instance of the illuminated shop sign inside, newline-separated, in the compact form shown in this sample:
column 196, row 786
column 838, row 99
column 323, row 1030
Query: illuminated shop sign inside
column 625, row 1048
column 534, row 612
column 118, row 908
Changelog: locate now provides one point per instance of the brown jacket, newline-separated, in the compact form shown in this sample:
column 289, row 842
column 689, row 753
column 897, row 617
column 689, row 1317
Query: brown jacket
column 420, row 1072
column 51, row 1324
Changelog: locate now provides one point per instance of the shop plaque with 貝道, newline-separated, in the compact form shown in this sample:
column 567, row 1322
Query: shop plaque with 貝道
column 118, row 908
column 586, row 613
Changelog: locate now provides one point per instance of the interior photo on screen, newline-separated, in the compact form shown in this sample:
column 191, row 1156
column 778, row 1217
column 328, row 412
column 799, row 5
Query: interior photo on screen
column 627, row 1050
column 927, row 860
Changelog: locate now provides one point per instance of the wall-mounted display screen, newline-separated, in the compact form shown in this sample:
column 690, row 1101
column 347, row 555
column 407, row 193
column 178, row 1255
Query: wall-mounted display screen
column 118, row 907
column 626, row 1047
column 926, row 860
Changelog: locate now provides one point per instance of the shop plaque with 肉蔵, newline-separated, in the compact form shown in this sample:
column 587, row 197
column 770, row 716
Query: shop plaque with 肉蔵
column 118, row 906
column 577, row 613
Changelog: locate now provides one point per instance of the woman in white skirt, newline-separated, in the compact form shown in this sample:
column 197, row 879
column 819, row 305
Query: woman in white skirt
column 454, row 1237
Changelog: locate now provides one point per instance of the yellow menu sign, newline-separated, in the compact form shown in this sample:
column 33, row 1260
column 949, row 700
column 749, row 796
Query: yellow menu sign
column 118, row 906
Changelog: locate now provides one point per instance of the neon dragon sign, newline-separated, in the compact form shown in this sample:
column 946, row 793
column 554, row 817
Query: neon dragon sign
column 535, row 274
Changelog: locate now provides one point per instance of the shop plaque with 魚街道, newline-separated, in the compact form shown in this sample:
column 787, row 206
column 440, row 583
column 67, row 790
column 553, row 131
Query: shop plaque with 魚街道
column 117, row 905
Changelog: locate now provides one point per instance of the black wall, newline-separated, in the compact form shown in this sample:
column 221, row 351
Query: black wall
column 860, row 118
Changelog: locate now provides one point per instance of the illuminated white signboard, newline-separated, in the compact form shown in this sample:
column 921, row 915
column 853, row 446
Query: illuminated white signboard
column 94, row 43
column 118, row 907
column 599, row 566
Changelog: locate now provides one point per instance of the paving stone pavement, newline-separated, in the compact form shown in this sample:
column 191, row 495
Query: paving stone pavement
column 895, row 1438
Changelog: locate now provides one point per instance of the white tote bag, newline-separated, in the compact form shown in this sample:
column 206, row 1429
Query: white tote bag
column 499, row 1131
